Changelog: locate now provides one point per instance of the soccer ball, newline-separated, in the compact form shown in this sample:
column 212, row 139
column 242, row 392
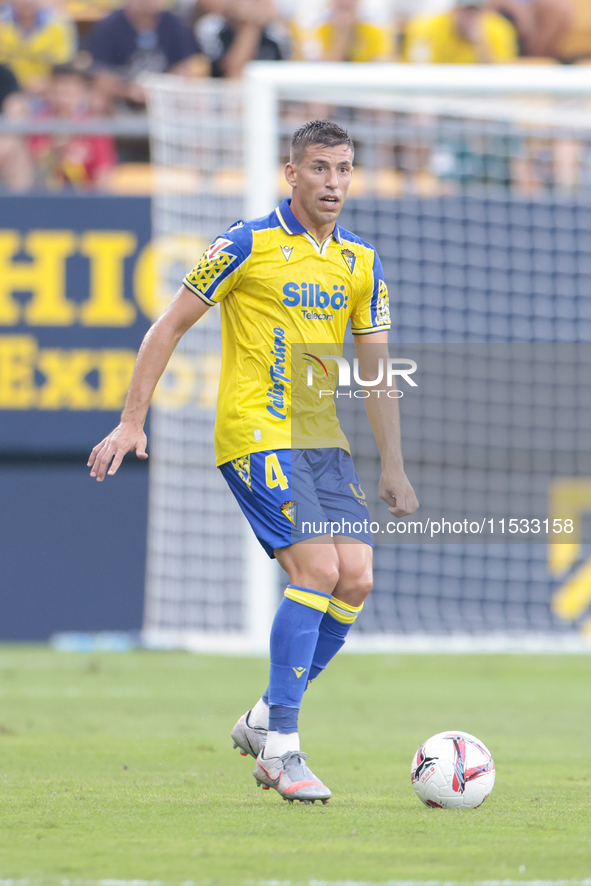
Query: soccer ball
column 453, row 770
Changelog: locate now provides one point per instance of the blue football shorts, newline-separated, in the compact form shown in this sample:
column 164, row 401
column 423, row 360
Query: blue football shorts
column 292, row 495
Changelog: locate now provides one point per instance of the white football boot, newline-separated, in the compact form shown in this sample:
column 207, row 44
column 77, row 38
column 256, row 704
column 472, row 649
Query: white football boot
column 250, row 739
column 291, row 778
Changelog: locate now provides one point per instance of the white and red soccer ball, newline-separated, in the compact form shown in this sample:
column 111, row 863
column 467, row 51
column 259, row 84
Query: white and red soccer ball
column 453, row 770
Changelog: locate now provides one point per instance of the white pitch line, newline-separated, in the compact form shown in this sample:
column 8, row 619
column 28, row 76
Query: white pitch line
column 586, row 882
column 55, row 881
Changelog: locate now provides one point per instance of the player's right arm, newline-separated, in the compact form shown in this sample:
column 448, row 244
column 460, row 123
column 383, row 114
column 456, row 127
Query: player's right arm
column 218, row 272
column 155, row 352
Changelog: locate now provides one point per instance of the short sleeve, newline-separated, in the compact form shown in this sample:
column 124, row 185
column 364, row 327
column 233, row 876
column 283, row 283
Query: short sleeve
column 177, row 41
column 222, row 265
column 110, row 44
column 502, row 39
column 372, row 43
column 65, row 42
column 372, row 309
column 418, row 45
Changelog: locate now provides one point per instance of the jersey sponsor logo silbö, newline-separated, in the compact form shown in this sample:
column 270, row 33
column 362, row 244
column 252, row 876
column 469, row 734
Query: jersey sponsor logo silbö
column 311, row 295
column 279, row 380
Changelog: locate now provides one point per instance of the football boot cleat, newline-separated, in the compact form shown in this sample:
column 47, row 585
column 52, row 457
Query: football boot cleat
column 291, row 778
column 250, row 739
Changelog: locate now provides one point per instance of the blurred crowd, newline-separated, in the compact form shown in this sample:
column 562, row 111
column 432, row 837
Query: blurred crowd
column 83, row 60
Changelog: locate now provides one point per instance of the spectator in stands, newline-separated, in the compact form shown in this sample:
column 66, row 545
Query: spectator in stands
column 238, row 31
column 470, row 33
column 80, row 162
column 540, row 24
column 575, row 44
column 8, row 85
column 33, row 38
column 344, row 31
column 142, row 38
column 15, row 167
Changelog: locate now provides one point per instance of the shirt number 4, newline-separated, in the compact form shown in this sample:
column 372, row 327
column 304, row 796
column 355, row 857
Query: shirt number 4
column 274, row 475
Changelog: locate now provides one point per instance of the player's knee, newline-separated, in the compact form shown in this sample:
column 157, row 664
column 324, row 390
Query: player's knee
column 364, row 584
column 356, row 581
column 324, row 577
column 320, row 574
column 311, row 566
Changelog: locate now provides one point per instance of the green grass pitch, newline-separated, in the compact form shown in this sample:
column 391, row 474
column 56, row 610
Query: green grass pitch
column 121, row 766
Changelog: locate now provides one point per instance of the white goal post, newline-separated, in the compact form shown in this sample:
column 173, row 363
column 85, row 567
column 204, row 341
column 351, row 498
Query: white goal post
column 219, row 148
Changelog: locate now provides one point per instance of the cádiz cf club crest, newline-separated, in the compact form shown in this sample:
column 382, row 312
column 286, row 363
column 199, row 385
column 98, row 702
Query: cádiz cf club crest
column 350, row 258
column 289, row 509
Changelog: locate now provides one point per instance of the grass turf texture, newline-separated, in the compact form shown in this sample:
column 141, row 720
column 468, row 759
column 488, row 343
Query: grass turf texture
column 121, row 766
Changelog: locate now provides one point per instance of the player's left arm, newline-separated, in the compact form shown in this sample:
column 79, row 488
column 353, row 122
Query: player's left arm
column 384, row 417
column 370, row 321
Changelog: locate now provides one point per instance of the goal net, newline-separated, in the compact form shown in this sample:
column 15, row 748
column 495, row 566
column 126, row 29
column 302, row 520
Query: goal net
column 207, row 584
column 474, row 184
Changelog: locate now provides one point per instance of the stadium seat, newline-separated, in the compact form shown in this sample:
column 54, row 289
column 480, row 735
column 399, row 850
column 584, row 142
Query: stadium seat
column 142, row 178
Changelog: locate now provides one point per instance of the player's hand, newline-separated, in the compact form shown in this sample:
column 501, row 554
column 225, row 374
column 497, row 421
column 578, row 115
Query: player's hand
column 395, row 489
column 110, row 451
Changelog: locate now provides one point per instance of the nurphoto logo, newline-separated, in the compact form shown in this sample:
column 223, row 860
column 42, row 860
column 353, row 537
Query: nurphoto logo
column 387, row 372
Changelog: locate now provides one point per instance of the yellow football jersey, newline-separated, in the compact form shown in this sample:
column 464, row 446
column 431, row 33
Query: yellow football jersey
column 278, row 287
column 371, row 42
column 32, row 54
column 434, row 39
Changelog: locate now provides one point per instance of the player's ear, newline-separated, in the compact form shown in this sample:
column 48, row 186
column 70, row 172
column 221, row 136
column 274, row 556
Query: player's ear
column 290, row 175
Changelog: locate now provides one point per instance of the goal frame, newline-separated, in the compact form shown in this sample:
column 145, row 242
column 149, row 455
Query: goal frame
column 266, row 84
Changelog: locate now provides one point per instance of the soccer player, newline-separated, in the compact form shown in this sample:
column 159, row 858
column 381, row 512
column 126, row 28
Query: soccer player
column 293, row 276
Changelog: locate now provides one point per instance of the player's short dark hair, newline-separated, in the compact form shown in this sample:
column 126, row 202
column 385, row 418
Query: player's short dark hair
column 319, row 132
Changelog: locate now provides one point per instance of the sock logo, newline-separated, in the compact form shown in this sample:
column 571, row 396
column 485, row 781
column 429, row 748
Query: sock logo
column 299, row 672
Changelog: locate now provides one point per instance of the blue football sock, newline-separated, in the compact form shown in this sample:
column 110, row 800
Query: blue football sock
column 334, row 627
column 294, row 638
